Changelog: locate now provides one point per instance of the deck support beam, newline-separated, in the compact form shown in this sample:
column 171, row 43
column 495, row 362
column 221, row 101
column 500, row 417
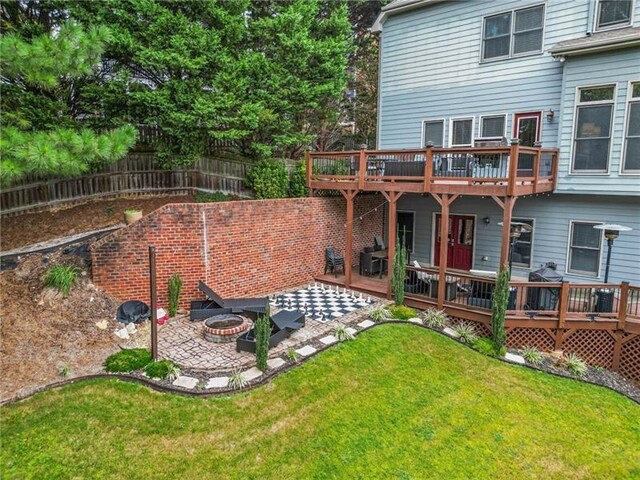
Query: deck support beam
column 445, row 202
column 507, row 210
column 349, row 196
column 392, row 198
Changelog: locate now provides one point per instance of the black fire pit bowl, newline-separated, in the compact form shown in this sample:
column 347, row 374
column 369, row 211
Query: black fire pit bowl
column 133, row 311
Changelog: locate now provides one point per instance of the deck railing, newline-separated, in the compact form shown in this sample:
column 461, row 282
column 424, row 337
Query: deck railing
column 559, row 301
column 430, row 169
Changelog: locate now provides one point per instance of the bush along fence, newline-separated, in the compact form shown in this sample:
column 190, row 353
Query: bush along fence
column 136, row 173
column 597, row 322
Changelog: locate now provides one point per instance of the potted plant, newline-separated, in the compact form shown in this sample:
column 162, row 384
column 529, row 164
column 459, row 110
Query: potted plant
column 132, row 215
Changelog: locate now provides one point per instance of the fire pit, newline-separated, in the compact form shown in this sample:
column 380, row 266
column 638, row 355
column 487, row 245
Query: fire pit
column 225, row 328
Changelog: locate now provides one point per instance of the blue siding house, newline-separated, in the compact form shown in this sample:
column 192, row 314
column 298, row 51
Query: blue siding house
column 555, row 74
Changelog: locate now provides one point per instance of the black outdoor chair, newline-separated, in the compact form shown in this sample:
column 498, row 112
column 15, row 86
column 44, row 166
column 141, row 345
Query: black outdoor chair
column 369, row 265
column 216, row 304
column 333, row 262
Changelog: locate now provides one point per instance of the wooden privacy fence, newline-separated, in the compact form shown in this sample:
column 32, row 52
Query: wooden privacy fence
column 136, row 173
column 598, row 322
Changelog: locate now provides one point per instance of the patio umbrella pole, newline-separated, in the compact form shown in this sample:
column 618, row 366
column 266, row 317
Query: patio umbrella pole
column 154, row 303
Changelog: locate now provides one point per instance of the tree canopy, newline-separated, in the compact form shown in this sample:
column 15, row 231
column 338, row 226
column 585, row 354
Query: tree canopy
column 40, row 132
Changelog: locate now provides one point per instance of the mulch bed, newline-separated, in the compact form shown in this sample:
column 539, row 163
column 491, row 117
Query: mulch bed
column 21, row 230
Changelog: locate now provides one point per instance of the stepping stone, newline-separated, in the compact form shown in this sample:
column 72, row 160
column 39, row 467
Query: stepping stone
column 218, row 382
column 450, row 332
column 252, row 373
column 366, row 324
column 415, row 320
column 306, row 350
column 185, row 382
column 275, row 362
column 329, row 339
column 352, row 331
column 514, row 358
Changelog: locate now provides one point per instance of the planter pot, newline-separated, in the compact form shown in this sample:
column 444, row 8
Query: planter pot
column 133, row 216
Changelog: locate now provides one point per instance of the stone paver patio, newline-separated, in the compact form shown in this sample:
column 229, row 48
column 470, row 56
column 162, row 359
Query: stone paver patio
column 182, row 341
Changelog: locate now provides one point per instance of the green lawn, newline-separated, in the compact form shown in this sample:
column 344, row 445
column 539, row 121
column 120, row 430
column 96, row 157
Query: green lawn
column 398, row 402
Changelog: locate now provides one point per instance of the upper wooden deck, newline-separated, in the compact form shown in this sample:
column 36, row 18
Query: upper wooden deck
column 468, row 171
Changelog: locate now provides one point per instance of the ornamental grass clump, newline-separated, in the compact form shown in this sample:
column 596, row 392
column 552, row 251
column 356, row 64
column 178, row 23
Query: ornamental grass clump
column 293, row 356
column 61, row 277
column 175, row 287
column 164, row 369
column 434, row 318
column 237, row 381
column 128, row 360
column 342, row 333
column 575, row 365
column 380, row 314
column 262, row 330
column 532, row 355
column 466, row 332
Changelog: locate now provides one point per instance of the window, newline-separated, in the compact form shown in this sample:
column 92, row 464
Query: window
column 433, row 131
column 404, row 225
column 492, row 126
column 584, row 248
column 592, row 137
column 521, row 255
column 514, row 33
column 613, row 13
column 461, row 132
column 631, row 162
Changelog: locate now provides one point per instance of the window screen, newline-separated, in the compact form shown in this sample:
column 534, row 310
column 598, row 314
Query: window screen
column 614, row 13
column 433, row 132
column 461, row 132
column 584, row 248
column 492, row 127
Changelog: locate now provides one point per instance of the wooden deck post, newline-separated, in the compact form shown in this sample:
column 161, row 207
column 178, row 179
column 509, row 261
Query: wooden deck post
column 444, row 245
column 307, row 159
column 513, row 165
column 507, row 210
column 349, row 196
column 392, row 198
column 563, row 306
column 428, row 167
column 362, row 167
column 536, row 167
column 622, row 305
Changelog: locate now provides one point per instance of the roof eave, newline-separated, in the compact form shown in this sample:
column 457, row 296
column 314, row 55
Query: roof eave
column 398, row 7
column 602, row 47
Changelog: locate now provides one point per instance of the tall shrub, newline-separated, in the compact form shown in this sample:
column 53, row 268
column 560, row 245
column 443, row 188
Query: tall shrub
column 298, row 181
column 399, row 272
column 262, row 332
column 500, row 302
column 269, row 179
column 175, row 287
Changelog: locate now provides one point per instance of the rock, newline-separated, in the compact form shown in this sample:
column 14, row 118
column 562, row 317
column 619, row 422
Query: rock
column 218, row 382
column 122, row 333
column 306, row 350
column 329, row 339
column 451, row 332
column 102, row 325
column 252, row 373
column 275, row 362
column 131, row 328
column 366, row 323
column 415, row 320
column 514, row 358
column 185, row 382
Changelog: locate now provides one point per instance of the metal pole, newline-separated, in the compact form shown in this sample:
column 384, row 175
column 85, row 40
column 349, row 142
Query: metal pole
column 606, row 272
column 512, row 243
column 154, row 302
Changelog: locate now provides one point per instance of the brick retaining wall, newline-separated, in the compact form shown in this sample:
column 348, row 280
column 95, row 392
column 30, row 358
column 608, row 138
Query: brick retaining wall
column 238, row 248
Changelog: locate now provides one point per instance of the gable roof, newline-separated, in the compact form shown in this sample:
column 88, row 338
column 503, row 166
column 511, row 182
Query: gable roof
column 596, row 42
column 398, row 6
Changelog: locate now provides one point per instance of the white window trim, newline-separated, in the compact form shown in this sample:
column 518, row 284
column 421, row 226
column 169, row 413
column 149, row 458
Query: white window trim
column 444, row 124
column 473, row 129
column 568, row 258
column 434, row 235
column 514, row 122
column 533, row 233
column 596, row 16
column 481, row 117
column 627, row 111
column 413, row 240
column 511, row 34
column 576, row 104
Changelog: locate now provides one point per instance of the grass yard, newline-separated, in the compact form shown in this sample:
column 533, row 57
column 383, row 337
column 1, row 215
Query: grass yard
column 398, row 402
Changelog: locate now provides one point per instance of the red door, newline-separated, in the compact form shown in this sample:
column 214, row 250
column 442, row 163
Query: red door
column 460, row 242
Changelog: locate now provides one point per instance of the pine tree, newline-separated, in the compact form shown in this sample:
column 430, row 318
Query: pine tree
column 499, row 308
column 40, row 133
